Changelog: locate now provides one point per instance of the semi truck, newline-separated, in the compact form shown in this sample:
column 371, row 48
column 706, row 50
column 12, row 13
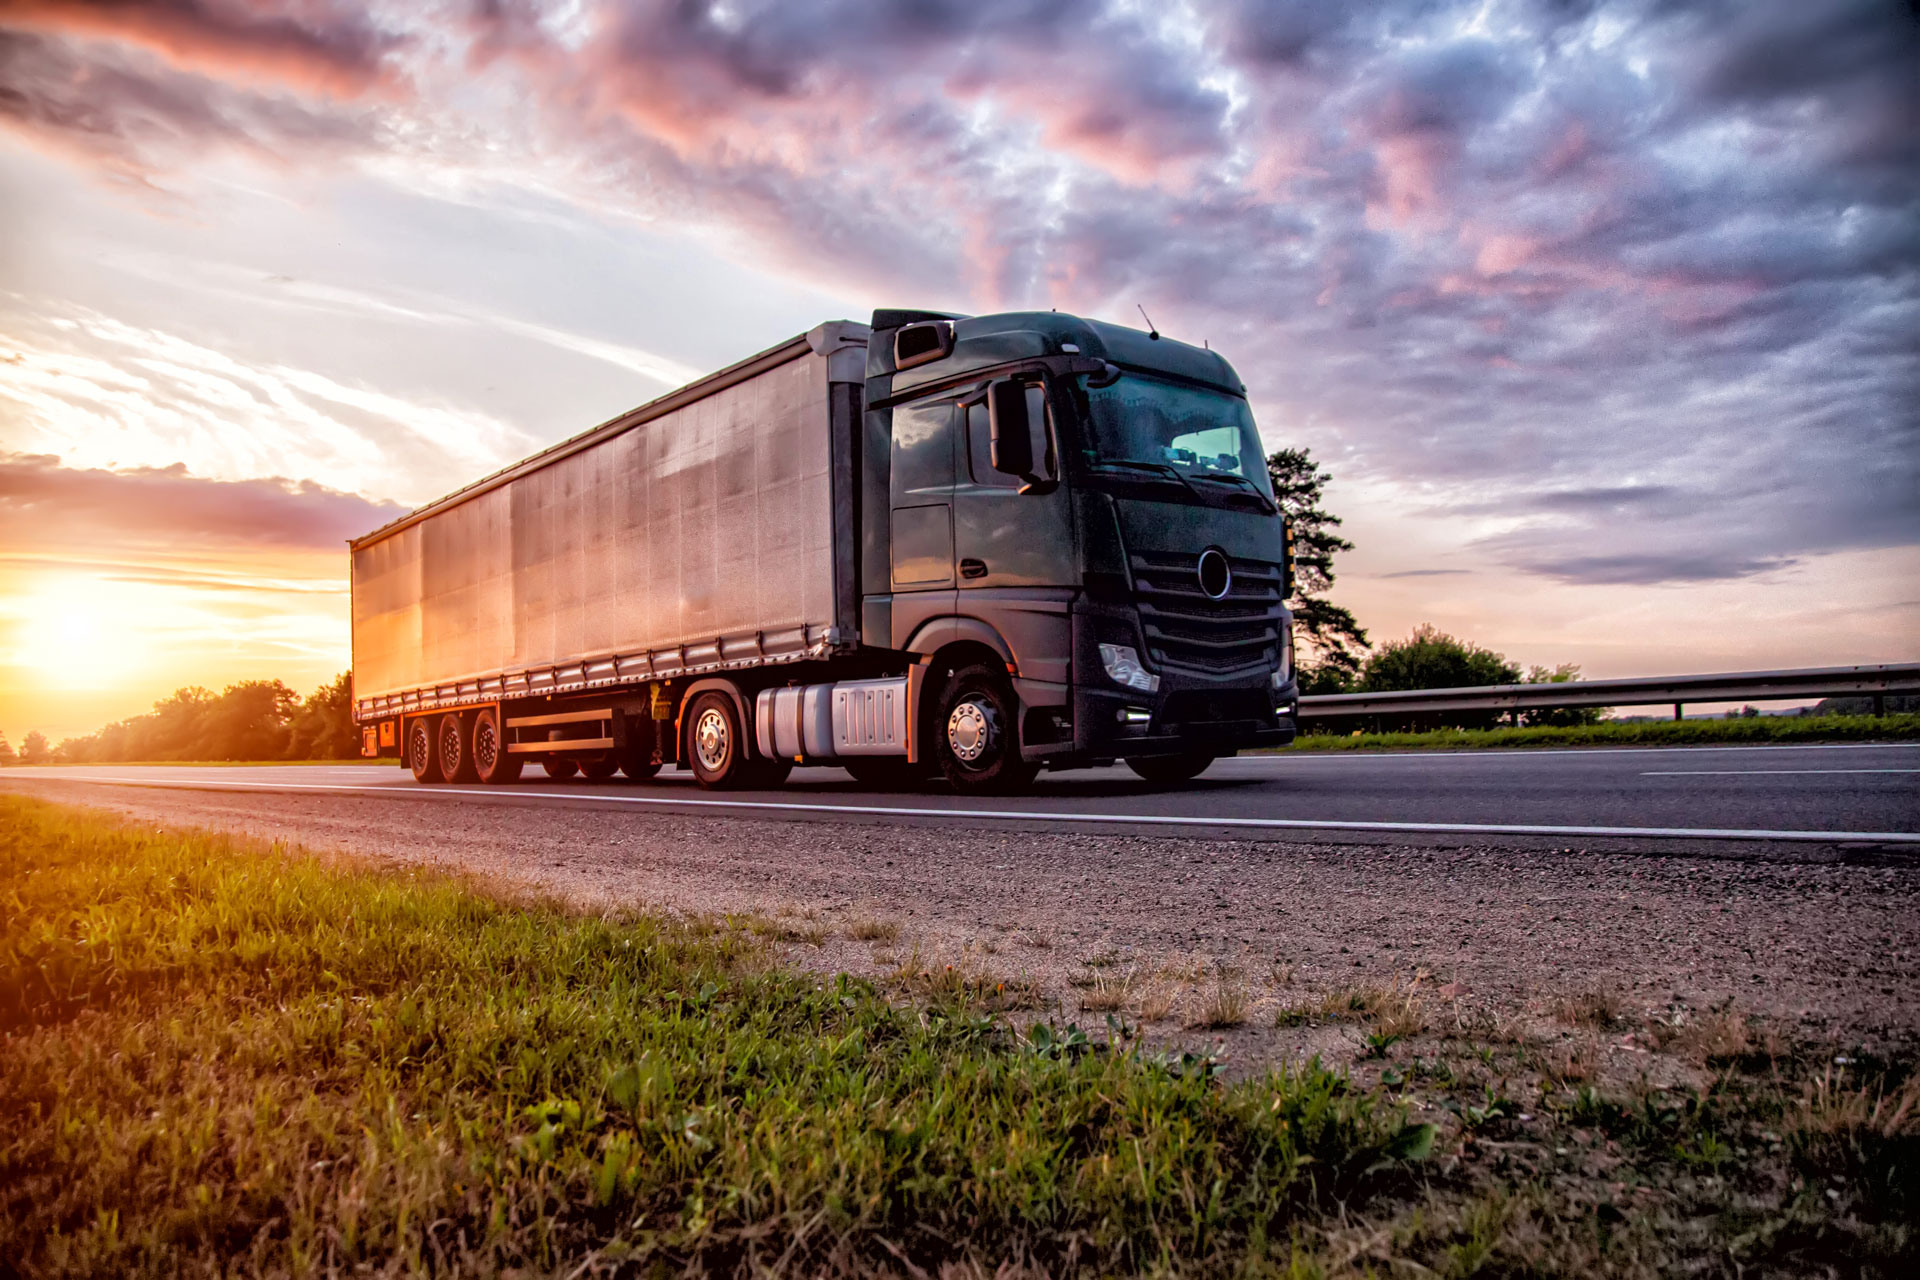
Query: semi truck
column 933, row 546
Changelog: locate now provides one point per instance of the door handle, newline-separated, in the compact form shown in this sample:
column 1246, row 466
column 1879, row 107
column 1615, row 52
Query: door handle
column 973, row 568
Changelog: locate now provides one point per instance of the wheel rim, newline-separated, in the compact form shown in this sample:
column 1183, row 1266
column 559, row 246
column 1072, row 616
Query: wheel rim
column 486, row 744
column 973, row 730
column 450, row 747
column 419, row 748
column 712, row 739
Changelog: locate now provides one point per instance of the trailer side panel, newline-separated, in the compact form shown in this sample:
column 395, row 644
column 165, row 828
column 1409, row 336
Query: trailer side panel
column 707, row 531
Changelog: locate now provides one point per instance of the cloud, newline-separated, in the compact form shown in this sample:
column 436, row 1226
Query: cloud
column 45, row 507
column 321, row 47
column 1629, row 287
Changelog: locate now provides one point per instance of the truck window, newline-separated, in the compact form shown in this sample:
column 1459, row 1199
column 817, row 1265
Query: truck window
column 980, row 441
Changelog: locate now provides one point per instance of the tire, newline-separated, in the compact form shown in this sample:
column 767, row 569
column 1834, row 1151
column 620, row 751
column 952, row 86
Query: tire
column 456, row 753
column 1181, row 768
column 976, row 734
column 423, row 760
column 716, row 745
column 492, row 762
column 599, row 768
column 888, row 773
column 638, row 767
column 560, row 768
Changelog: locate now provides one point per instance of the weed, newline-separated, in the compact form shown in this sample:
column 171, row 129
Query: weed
column 1107, row 992
column 1377, row 1043
column 1600, row 1009
column 1156, row 1002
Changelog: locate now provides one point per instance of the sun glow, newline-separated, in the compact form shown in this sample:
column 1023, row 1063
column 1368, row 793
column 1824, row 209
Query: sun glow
column 77, row 633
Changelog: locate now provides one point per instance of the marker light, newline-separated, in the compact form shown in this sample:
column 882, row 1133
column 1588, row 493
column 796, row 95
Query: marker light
column 1123, row 666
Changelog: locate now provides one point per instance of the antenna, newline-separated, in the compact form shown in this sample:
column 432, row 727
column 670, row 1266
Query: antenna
column 1151, row 331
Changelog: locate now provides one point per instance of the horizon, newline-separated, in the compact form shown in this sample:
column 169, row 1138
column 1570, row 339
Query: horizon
column 1601, row 319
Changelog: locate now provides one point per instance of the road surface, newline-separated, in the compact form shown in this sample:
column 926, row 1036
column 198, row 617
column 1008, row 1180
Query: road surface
column 1748, row 797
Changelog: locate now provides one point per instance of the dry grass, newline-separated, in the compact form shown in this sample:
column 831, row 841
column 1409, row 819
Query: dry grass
column 1224, row 1006
column 1602, row 1009
column 873, row 929
column 1156, row 1001
column 1392, row 1009
column 1831, row 1108
column 1107, row 992
column 1038, row 939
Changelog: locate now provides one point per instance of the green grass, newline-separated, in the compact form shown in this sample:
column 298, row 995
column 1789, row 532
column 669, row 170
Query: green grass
column 222, row 1059
column 1648, row 733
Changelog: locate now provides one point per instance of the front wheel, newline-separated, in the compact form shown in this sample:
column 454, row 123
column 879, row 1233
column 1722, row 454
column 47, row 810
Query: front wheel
column 1181, row 768
column 976, row 738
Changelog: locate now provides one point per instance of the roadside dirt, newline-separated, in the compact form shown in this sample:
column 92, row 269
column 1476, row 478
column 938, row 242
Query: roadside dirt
column 1278, row 937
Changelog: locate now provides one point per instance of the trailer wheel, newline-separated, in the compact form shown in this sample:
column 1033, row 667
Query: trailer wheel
column 976, row 739
column 456, row 757
column 1181, row 768
column 638, row 767
column 422, row 759
column 599, row 768
column 716, row 747
column 560, row 768
column 491, row 760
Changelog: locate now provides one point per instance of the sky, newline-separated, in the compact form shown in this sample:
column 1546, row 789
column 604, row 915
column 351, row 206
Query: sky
column 1603, row 317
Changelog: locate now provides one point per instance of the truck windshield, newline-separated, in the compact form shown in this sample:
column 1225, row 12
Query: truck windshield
column 1148, row 423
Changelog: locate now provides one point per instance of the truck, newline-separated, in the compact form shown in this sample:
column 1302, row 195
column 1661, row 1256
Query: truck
column 932, row 546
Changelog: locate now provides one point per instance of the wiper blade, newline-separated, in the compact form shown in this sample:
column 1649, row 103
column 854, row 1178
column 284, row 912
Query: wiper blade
column 1228, row 477
column 1159, row 469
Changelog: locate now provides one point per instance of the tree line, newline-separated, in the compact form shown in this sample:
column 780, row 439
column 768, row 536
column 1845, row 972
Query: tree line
column 251, row 720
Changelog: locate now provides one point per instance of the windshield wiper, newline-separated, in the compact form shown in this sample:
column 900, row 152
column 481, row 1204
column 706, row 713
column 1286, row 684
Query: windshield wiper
column 1151, row 468
column 1228, row 477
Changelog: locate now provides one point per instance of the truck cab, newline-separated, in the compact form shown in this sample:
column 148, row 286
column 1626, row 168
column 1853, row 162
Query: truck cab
column 1087, row 506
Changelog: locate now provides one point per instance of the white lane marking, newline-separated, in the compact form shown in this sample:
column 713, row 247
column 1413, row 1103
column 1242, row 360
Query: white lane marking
column 1746, row 773
column 1031, row 815
column 1523, row 753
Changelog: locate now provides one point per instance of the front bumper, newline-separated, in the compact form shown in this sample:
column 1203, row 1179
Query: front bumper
column 1189, row 712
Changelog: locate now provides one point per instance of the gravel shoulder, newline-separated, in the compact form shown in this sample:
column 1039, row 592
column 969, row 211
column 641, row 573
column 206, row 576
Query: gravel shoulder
column 1156, row 929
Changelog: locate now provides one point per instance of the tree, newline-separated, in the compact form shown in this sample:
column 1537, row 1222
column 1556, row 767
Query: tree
column 1432, row 659
column 34, row 750
column 1330, row 632
column 7, row 755
column 1565, row 673
column 323, row 729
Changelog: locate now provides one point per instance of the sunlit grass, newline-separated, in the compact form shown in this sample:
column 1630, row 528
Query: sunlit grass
column 1651, row 733
column 214, row 1058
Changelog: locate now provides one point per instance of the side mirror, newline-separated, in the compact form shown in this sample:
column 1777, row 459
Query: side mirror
column 1009, row 428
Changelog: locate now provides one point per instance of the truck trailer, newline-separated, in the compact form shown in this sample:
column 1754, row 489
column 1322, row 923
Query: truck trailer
column 970, row 547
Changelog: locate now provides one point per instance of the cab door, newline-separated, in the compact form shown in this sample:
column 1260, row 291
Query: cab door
column 1014, row 551
column 921, row 490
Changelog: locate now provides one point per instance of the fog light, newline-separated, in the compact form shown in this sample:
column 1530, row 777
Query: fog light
column 1133, row 715
column 1123, row 667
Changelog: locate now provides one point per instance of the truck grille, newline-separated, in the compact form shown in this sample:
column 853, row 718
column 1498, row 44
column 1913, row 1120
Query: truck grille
column 1186, row 628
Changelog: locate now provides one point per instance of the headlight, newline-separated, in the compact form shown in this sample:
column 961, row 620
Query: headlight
column 1123, row 667
column 1283, row 669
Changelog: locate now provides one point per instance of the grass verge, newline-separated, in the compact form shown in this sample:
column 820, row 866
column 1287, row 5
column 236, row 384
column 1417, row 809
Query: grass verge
column 218, row 1058
column 228, row 1060
column 1646, row 733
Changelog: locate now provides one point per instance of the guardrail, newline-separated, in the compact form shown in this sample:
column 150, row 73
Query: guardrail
column 1739, row 686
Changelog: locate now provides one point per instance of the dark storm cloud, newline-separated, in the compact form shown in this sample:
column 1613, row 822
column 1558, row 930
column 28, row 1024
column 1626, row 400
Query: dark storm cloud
column 1643, row 275
column 46, row 507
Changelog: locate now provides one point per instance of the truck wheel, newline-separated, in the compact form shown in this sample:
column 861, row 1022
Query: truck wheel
column 600, row 768
column 491, row 760
column 716, row 748
column 975, row 735
column 560, row 768
column 887, row 773
column 456, row 757
column 422, row 758
column 1181, row 768
column 638, row 765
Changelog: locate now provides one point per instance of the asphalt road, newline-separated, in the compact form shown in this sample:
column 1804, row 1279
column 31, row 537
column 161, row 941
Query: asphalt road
column 1839, row 795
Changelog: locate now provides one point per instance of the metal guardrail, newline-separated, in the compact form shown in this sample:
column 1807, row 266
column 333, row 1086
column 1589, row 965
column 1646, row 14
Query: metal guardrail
column 1738, row 686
